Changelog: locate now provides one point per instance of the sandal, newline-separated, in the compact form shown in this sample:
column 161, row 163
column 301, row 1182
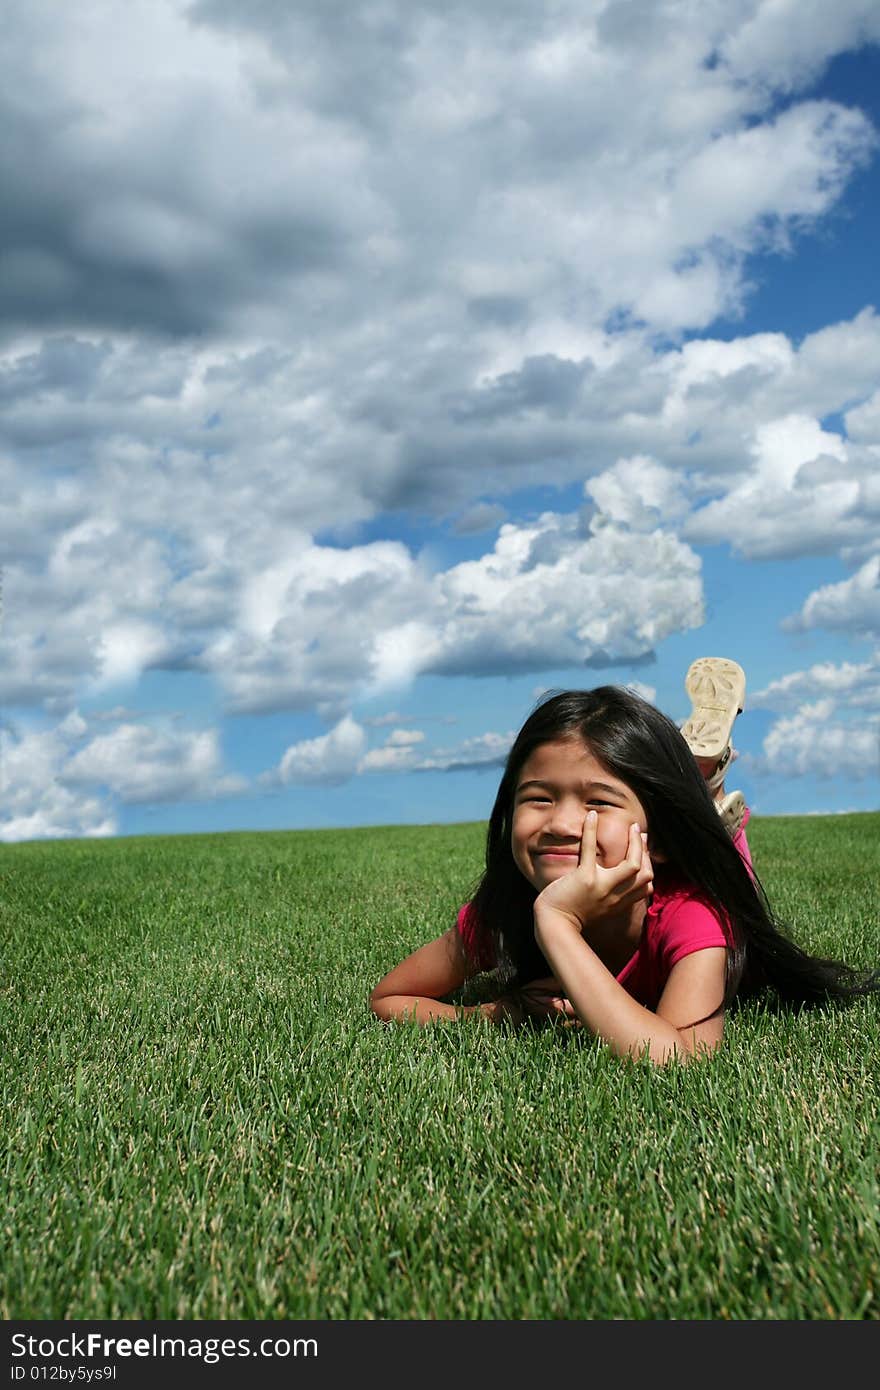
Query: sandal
column 717, row 689
column 732, row 810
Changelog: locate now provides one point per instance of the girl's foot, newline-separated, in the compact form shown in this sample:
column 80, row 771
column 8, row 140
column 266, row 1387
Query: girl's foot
column 732, row 809
column 717, row 689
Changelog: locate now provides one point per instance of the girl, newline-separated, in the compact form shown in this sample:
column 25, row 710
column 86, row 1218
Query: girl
column 613, row 895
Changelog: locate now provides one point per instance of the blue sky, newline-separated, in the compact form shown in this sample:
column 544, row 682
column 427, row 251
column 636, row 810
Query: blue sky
column 368, row 370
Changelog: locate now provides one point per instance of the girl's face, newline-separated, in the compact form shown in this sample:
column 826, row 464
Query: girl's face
column 557, row 785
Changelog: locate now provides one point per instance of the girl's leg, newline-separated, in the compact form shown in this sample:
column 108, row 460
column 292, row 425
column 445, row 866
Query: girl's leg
column 717, row 689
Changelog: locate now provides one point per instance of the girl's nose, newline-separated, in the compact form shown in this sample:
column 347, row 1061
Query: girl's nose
column 567, row 820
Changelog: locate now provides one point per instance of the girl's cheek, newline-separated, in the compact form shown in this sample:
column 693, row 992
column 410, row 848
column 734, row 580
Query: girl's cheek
column 614, row 842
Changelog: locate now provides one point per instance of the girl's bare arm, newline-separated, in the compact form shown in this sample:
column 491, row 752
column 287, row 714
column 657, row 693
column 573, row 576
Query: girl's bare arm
column 688, row 1019
column 414, row 988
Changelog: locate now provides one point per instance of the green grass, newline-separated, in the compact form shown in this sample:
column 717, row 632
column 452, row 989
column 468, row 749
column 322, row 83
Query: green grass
column 202, row 1119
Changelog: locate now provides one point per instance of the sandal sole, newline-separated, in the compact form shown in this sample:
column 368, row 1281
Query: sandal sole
column 717, row 689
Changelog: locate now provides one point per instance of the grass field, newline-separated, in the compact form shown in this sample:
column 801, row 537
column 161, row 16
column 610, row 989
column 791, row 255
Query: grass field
column 202, row 1119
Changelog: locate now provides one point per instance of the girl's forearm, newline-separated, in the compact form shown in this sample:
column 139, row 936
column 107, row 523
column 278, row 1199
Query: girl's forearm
column 423, row 1010
column 600, row 1002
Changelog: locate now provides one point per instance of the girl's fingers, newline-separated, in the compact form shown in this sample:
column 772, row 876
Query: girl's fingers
column 632, row 860
column 642, row 858
column 646, row 858
column 587, row 858
column 636, row 847
column 635, row 870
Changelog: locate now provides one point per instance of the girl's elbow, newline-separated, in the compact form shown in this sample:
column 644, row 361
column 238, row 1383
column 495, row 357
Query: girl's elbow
column 377, row 1002
column 389, row 1006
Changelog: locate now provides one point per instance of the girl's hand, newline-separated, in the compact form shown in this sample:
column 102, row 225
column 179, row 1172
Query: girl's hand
column 591, row 893
column 543, row 999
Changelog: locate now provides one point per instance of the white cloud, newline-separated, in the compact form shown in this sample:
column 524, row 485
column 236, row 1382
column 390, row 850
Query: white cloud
column 340, row 754
column 548, row 595
column 60, row 782
column 332, row 758
column 139, row 765
column 854, row 684
column 786, row 41
column 372, row 618
column 188, row 564
column 88, row 611
column 852, row 605
column 482, row 516
column 414, row 265
column 398, row 753
column 379, row 721
column 389, row 758
column 36, row 805
column 639, row 493
column 830, row 725
column 195, row 560
column 793, row 499
column 863, row 421
column 483, row 750
column 128, row 648
column 401, row 652
column 403, row 738
column 442, row 159
column 788, row 167
column 811, row 742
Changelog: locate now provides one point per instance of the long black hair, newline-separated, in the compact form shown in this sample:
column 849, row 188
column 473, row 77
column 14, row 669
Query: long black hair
column 647, row 752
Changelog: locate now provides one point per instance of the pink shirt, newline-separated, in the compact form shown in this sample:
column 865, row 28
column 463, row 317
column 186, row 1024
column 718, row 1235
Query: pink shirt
column 677, row 923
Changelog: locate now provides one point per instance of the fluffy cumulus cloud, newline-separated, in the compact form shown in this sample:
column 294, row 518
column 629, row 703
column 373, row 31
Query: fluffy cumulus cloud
column 799, row 493
column 853, row 605
column 316, row 161
column 814, row 742
column 639, row 493
column 342, row 753
column 371, row 618
column 194, row 563
column 549, row 595
column 36, row 803
column 829, row 725
column 203, row 550
column 331, row 758
column 141, row 764
column 788, row 40
column 70, row 780
column 831, row 712
column 483, row 750
column 273, row 287
column 854, row 684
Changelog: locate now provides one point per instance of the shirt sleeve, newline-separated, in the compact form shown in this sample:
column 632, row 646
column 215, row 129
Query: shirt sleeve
column 689, row 925
column 466, row 922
